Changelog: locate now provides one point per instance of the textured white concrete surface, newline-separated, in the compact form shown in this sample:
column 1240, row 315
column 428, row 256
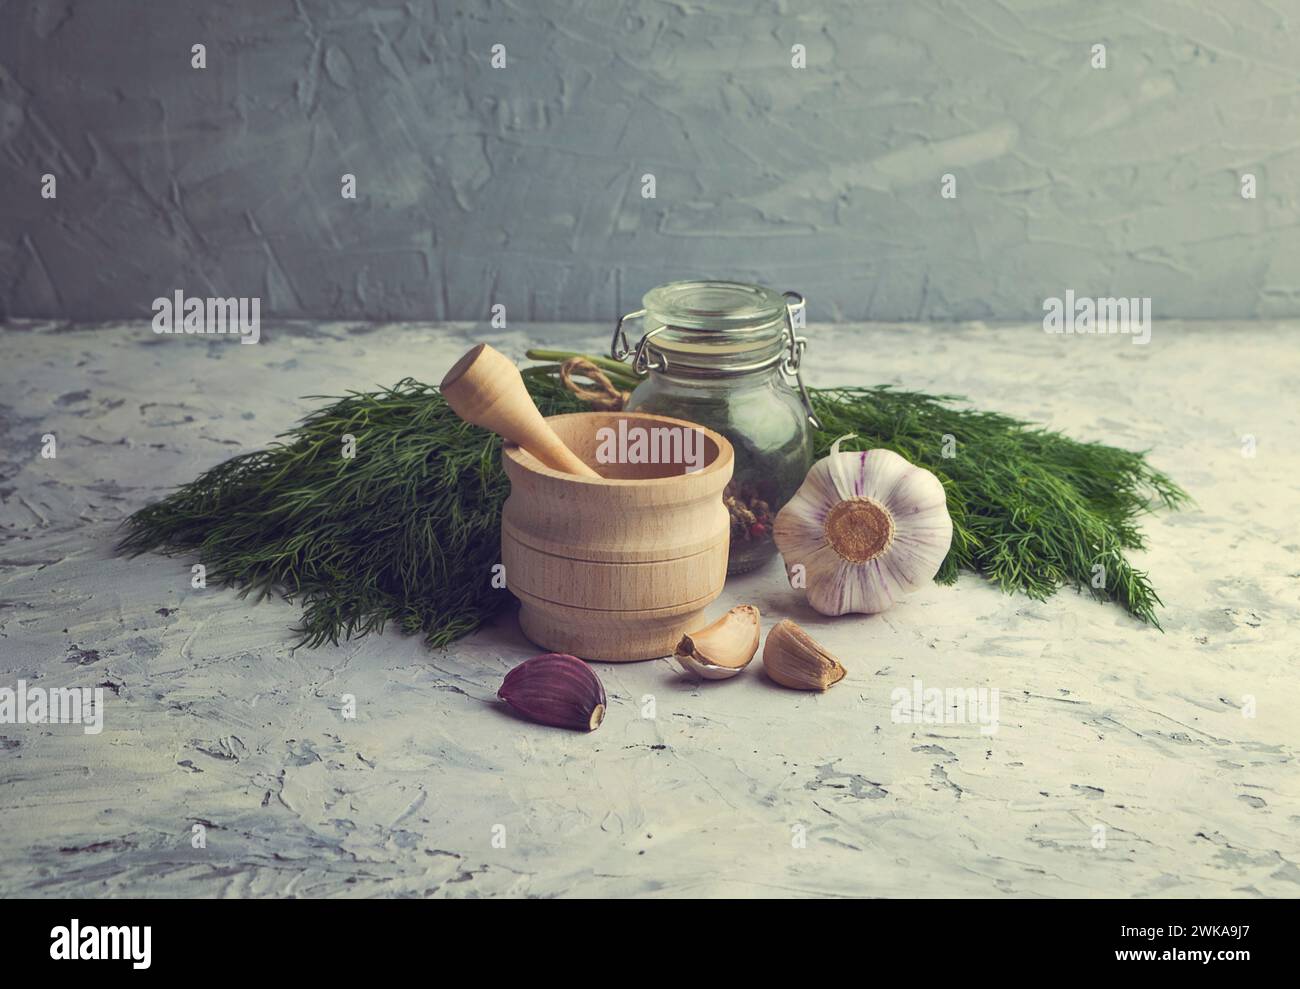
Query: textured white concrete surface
column 211, row 719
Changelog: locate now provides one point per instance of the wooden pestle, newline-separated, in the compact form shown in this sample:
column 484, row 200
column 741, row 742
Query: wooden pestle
column 485, row 388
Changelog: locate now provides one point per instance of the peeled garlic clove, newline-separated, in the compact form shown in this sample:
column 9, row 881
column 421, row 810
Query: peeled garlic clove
column 556, row 689
column 865, row 528
column 723, row 649
column 792, row 658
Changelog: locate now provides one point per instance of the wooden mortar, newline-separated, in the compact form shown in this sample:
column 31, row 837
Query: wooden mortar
column 617, row 567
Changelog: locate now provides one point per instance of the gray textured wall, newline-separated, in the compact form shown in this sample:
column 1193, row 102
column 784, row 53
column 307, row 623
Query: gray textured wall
column 522, row 185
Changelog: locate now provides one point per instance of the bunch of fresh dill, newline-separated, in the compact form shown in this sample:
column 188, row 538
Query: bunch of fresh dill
column 408, row 531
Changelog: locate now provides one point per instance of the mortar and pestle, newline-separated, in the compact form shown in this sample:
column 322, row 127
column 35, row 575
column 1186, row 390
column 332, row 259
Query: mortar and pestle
column 610, row 561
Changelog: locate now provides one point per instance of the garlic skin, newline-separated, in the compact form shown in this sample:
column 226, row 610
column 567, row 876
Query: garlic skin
column 794, row 659
column 723, row 649
column 867, row 527
column 556, row 689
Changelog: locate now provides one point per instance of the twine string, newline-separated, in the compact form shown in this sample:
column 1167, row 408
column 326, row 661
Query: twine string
column 604, row 396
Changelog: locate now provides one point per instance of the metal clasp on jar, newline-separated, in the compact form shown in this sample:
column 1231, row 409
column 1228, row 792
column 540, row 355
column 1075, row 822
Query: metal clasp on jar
column 618, row 348
column 793, row 363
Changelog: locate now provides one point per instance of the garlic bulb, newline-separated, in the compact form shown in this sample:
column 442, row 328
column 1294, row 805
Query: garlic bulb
column 866, row 527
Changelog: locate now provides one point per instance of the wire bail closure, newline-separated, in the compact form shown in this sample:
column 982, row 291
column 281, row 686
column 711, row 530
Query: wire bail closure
column 620, row 351
column 791, row 363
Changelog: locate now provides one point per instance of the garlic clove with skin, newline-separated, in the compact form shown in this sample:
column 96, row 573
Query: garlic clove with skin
column 723, row 649
column 556, row 689
column 867, row 527
column 793, row 658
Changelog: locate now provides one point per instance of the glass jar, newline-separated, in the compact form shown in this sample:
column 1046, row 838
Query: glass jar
column 726, row 355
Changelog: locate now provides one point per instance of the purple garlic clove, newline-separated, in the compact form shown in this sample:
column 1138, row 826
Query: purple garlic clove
column 555, row 689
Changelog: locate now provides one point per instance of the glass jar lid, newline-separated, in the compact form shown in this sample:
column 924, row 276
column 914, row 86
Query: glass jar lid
column 713, row 306
column 714, row 327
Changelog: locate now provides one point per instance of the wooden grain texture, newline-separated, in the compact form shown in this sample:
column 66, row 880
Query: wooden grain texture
column 609, row 636
column 484, row 387
column 619, row 567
